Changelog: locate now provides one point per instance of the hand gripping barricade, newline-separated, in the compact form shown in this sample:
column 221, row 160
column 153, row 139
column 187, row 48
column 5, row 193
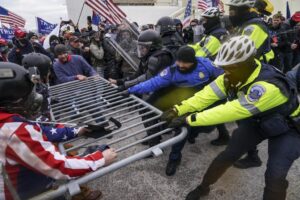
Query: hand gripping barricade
column 96, row 103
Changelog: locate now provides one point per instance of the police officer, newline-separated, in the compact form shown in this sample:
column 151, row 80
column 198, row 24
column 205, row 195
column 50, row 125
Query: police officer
column 153, row 59
column 242, row 15
column 246, row 16
column 171, row 39
column 176, row 83
column 250, row 87
column 215, row 34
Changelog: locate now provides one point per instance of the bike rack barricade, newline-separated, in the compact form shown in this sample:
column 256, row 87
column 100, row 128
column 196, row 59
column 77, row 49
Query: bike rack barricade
column 126, row 121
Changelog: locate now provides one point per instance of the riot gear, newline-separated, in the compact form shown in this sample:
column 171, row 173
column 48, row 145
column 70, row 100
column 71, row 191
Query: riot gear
column 165, row 25
column 148, row 42
column 41, row 62
column 17, row 92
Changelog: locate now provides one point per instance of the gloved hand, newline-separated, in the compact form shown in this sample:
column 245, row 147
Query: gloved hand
column 169, row 115
column 125, row 93
column 178, row 122
column 121, row 88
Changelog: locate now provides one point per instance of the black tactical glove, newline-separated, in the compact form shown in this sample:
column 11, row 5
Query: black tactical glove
column 120, row 82
column 121, row 88
column 178, row 122
column 125, row 93
column 169, row 115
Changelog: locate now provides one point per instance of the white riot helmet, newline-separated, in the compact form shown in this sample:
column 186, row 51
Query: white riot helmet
column 211, row 12
column 240, row 3
column 236, row 50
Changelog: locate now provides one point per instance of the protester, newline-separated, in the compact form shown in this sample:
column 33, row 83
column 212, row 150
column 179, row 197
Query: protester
column 71, row 67
column 97, row 53
column 23, row 46
column 3, row 50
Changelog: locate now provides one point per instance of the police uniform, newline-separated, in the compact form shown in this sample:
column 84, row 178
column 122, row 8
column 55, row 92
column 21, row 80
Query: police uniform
column 211, row 43
column 260, row 116
column 172, row 86
column 257, row 30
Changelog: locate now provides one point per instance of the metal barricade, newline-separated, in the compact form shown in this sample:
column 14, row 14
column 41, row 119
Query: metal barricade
column 96, row 101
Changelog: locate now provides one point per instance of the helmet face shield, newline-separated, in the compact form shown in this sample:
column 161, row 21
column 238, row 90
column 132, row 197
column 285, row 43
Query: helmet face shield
column 33, row 103
column 158, row 29
column 143, row 49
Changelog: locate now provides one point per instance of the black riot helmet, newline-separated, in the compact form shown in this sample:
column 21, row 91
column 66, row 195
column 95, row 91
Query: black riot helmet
column 165, row 25
column 37, row 61
column 17, row 91
column 148, row 42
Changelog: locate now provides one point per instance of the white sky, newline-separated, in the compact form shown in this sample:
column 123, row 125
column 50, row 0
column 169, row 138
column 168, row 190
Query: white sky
column 49, row 10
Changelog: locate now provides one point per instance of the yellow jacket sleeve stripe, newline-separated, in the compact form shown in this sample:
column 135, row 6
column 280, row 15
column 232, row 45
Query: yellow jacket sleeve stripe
column 243, row 107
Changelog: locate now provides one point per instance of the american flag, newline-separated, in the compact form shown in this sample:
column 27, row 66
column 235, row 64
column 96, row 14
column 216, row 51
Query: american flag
column 11, row 18
column 107, row 9
column 204, row 4
column 187, row 14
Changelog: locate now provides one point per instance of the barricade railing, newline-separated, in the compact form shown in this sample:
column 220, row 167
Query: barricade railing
column 127, row 122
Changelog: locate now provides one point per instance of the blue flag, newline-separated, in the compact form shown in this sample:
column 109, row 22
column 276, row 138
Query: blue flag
column 6, row 33
column 96, row 19
column 44, row 27
column 288, row 11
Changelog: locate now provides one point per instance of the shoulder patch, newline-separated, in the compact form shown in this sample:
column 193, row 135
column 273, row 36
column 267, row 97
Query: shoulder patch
column 248, row 30
column 164, row 73
column 256, row 92
column 201, row 75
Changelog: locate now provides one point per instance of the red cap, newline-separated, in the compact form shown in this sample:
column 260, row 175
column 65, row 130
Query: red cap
column 296, row 17
column 20, row 33
column 3, row 42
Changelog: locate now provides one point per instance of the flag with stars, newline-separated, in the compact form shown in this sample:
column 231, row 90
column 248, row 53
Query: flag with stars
column 187, row 14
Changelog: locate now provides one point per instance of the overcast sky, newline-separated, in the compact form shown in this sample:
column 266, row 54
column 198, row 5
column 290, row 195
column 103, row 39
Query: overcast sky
column 49, row 10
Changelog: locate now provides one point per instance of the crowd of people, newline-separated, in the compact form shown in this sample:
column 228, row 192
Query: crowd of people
column 239, row 68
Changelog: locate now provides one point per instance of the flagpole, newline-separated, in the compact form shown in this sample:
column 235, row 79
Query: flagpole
column 80, row 14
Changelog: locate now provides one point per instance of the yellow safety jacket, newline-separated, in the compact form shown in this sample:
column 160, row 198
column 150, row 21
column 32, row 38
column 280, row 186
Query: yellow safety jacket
column 261, row 96
column 258, row 32
column 210, row 44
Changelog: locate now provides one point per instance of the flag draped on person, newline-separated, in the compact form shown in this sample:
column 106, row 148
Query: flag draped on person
column 11, row 18
column 204, row 4
column 187, row 14
column 107, row 9
column 44, row 27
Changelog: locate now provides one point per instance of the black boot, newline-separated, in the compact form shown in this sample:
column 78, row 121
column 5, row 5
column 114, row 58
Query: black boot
column 200, row 191
column 172, row 167
column 223, row 138
column 251, row 160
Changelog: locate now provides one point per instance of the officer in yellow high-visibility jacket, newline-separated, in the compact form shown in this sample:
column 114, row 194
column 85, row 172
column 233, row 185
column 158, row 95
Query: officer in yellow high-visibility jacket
column 215, row 34
column 249, row 22
column 247, row 16
column 261, row 99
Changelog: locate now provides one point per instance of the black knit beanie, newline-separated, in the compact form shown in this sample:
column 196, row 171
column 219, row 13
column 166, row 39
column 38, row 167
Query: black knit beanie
column 186, row 54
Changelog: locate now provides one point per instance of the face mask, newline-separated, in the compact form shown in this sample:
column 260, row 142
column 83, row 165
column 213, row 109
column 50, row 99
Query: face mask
column 36, row 41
